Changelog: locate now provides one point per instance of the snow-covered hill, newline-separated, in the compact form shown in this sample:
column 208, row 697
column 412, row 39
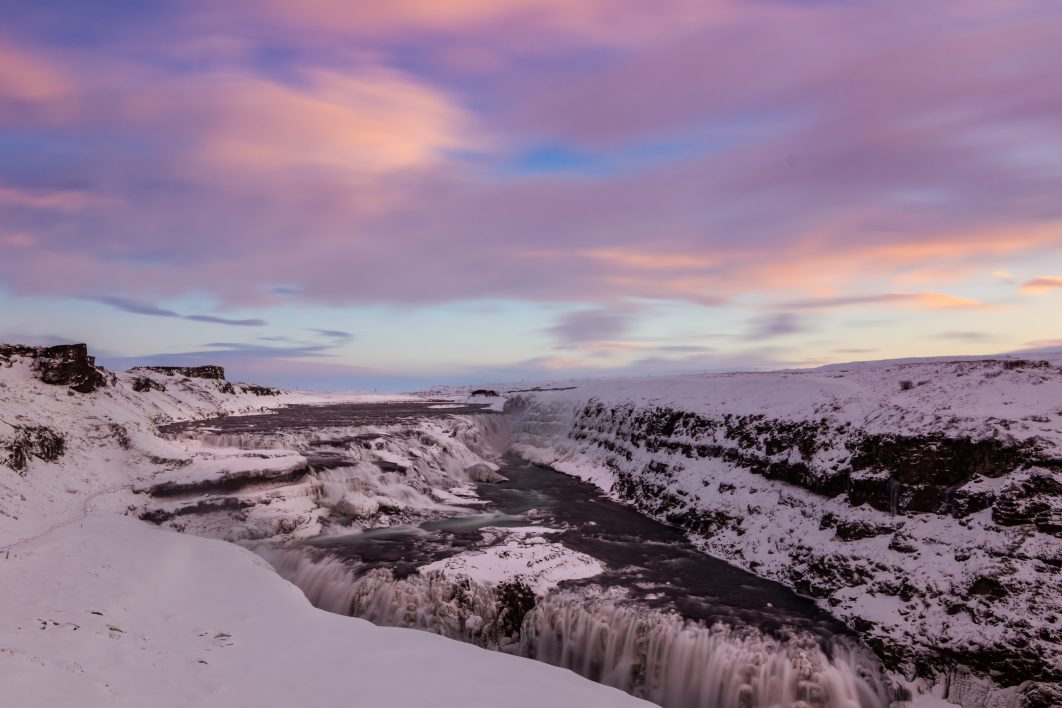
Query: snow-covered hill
column 920, row 502
column 102, row 609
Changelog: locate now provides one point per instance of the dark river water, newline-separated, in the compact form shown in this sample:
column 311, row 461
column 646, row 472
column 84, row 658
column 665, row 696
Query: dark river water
column 655, row 565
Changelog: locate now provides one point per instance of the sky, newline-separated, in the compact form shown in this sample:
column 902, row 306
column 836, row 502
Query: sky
column 371, row 195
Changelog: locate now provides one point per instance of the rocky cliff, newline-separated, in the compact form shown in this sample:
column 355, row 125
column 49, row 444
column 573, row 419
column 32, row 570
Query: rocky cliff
column 61, row 365
column 920, row 503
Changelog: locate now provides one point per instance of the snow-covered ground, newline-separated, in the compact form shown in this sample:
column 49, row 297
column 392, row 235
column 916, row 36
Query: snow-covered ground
column 102, row 609
column 918, row 501
column 524, row 554
column 921, row 502
column 111, row 612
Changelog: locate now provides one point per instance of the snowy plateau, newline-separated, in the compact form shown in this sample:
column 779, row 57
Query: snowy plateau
column 149, row 560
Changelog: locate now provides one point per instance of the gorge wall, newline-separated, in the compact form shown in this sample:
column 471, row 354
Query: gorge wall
column 920, row 503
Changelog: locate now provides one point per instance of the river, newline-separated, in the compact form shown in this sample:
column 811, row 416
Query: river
column 660, row 619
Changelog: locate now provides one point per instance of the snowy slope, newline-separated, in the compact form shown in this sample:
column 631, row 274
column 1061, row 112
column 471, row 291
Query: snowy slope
column 920, row 502
column 111, row 612
column 102, row 609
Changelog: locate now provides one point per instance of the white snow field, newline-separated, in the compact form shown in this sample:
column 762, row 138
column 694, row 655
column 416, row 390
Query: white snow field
column 920, row 502
column 101, row 609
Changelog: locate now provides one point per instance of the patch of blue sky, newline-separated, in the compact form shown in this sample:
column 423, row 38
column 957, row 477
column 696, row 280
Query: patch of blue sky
column 559, row 159
column 555, row 158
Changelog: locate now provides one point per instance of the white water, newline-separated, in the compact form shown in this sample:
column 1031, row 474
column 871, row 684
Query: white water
column 657, row 656
column 670, row 661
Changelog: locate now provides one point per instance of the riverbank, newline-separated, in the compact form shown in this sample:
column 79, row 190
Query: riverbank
column 102, row 609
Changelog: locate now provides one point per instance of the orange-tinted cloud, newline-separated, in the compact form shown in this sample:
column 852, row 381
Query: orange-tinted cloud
column 1043, row 284
column 923, row 301
column 595, row 20
column 369, row 123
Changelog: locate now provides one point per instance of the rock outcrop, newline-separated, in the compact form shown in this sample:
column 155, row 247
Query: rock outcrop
column 60, row 365
column 143, row 384
column 208, row 371
column 926, row 516
column 29, row 441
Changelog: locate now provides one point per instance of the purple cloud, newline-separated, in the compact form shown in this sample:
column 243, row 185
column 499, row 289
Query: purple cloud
column 588, row 326
column 776, row 325
column 130, row 305
column 703, row 152
column 138, row 307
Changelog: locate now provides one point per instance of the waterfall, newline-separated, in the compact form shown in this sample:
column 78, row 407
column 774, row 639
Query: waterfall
column 455, row 608
column 650, row 654
column 676, row 663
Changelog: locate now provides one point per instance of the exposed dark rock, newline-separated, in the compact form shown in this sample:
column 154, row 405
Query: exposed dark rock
column 892, row 473
column 902, row 543
column 919, row 473
column 989, row 587
column 142, row 384
column 216, row 373
column 484, row 392
column 259, row 390
column 1035, row 500
column 32, row 441
column 61, row 365
column 206, row 506
column 1040, row 694
column 856, row 530
column 121, row 435
column 515, row 600
column 966, row 501
column 819, row 575
column 228, row 482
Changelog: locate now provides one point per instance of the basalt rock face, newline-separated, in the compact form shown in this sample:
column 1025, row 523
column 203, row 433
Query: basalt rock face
column 61, row 365
column 891, row 473
column 142, row 384
column 1034, row 500
column 216, row 373
column 923, row 473
column 259, row 390
column 926, row 517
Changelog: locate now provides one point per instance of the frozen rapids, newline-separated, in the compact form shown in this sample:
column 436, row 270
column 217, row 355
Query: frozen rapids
column 640, row 608
column 648, row 653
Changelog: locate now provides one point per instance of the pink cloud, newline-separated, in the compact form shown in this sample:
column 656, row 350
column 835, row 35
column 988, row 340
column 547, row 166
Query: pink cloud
column 27, row 81
column 896, row 140
column 1041, row 285
column 927, row 301
column 58, row 199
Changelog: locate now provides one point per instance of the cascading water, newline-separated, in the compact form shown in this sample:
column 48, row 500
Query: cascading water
column 654, row 655
column 739, row 642
column 673, row 662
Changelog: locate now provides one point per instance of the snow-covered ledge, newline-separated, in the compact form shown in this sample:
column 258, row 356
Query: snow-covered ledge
column 920, row 502
column 112, row 612
column 101, row 609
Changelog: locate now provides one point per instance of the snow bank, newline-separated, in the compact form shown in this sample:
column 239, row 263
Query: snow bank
column 919, row 502
column 101, row 609
column 110, row 612
column 523, row 555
